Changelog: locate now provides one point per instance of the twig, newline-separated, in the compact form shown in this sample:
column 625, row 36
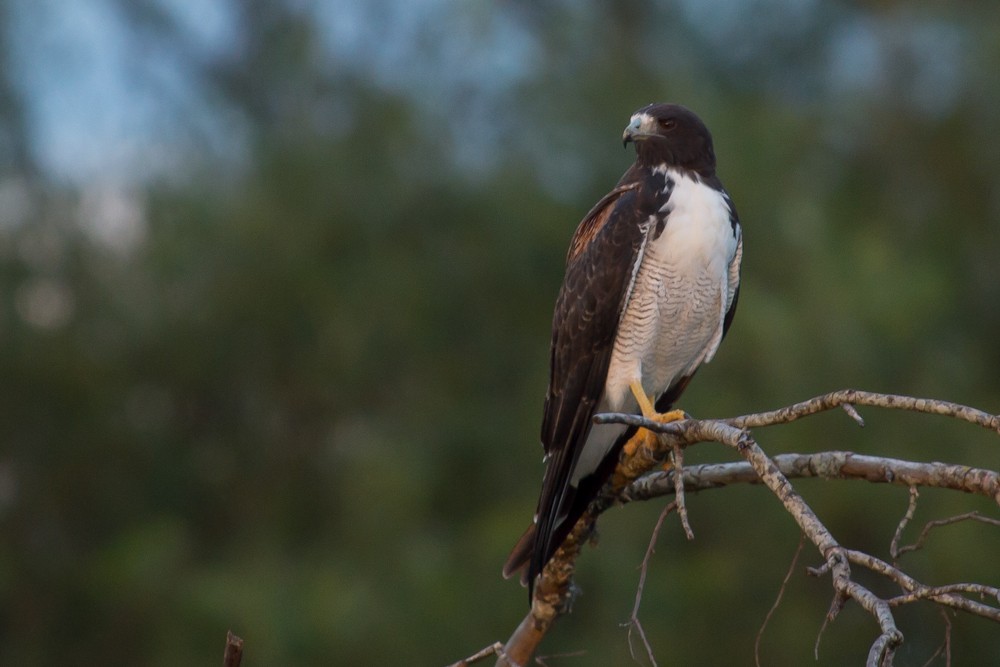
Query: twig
column 910, row 509
column 819, row 635
column 853, row 413
column 493, row 649
column 917, row 591
column 777, row 600
column 933, row 592
column 541, row 660
column 947, row 637
column 844, row 587
column 633, row 621
column 945, row 645
column 969, row 516
column 678, row 475
column 855, row 397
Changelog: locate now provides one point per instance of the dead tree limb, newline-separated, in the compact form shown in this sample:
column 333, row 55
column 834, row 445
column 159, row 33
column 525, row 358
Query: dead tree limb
column 554, row 590
column 825, row 465
column 855, row 397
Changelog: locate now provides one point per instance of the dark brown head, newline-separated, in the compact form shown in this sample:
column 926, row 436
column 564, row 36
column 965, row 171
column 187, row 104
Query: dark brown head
column 671, row 134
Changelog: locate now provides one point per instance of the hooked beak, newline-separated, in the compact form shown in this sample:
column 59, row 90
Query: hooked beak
column 634, row 130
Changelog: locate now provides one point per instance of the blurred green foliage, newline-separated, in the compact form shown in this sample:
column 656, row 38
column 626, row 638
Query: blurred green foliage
column 295, row 392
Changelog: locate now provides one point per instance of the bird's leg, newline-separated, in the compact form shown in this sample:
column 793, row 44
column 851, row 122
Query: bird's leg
column 648, row 411
column 645, row 402
column 645, row 436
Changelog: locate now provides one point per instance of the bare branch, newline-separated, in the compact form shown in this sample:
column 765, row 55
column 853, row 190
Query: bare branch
column 856, row 397
column 969, row 516
column 554, row 590
column 677, row 452
column 826, row 402
column 910, row 509
column 692, row 431
column 908, row 583
column 933, row 592
column 852, row 412
column 826, row 465
column 525, row 640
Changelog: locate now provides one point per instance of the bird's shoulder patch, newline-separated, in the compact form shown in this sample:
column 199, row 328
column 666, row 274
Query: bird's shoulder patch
column 595, row 220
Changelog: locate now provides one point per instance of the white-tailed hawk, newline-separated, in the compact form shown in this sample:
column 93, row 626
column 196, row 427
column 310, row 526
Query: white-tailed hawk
column 651, row 284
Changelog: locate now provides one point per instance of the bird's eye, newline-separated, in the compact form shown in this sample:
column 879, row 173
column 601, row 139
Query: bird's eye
column 667, row 123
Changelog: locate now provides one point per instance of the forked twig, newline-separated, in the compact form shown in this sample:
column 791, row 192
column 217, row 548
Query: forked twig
column 968, row 516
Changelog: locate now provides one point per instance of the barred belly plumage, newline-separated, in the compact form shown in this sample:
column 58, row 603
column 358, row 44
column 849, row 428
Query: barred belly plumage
column 671, row 319
column 674, row 316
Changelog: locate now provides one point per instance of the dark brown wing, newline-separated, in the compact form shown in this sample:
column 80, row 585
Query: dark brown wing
column 599, row 270
column 588, row 308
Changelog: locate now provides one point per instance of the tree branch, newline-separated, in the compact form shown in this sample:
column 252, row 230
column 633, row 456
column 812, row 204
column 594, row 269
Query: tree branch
column 554, row 590
column 854, row 397
column 969, row 516
column 826, row 465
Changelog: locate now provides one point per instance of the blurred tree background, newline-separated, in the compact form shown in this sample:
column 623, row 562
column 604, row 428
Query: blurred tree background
column 277, row 284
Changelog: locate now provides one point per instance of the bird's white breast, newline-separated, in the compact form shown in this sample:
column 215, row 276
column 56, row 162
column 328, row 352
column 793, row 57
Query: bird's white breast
column 674, row 316
column 683, row 285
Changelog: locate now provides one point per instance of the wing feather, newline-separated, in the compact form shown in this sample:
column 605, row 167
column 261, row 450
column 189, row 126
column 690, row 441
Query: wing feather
column 588, row 310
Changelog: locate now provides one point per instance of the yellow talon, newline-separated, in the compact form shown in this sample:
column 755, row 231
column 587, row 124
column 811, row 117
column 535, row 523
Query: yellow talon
column 633, row 443
column 645, row 436
column 672, row 416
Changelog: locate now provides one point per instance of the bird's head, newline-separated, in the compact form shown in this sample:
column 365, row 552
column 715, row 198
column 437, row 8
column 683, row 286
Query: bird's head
column 671, row 134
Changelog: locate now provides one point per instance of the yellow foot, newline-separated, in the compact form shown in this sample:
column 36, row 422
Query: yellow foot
column 647, row 437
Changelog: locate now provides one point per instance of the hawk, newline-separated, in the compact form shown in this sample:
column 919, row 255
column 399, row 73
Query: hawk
column 651, row 285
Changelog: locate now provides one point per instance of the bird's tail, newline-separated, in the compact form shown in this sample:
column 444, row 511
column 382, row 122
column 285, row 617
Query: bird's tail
column 519, row 556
